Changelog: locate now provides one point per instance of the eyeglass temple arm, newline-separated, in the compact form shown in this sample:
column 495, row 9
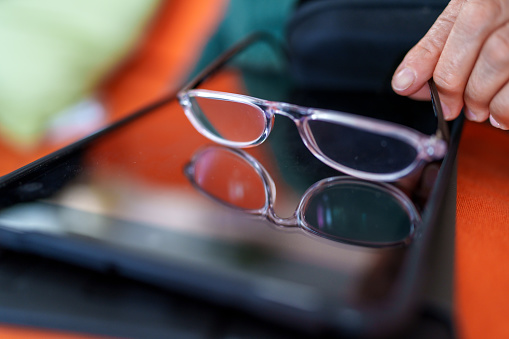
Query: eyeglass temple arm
column 228, row 55
column 442, row 128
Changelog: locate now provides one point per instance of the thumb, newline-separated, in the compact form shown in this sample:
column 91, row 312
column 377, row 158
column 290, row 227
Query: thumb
column 419, row 63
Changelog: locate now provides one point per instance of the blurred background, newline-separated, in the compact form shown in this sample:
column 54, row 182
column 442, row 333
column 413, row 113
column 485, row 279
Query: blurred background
column 69, row 68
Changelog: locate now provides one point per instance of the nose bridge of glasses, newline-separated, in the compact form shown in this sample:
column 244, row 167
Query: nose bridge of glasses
column 290, row 111
column 281, row 222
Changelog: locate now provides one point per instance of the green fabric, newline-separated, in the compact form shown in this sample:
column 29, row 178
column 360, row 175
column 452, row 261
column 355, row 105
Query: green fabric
column 54, row 53
column 244, row 17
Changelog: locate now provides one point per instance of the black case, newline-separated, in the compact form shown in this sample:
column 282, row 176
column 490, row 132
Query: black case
column 355, row 44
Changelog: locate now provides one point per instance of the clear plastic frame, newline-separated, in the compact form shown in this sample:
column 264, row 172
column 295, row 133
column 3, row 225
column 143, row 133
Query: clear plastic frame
column 363, row 147
column 341, row 208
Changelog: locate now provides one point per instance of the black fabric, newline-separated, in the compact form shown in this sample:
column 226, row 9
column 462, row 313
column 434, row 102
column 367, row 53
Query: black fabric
column 355, row 44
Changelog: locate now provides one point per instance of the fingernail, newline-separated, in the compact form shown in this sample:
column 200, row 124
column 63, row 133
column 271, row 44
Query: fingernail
column 496, row 124
column 446, row 111
column 403, row 79
column 470, row 115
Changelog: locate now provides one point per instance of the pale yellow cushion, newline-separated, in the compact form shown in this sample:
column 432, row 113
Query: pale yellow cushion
column 53, row 53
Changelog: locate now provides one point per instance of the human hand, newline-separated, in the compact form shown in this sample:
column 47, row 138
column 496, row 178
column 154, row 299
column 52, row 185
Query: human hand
column 466, row 51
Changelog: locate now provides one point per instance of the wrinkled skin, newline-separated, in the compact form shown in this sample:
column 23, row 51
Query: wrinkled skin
column 466, row 51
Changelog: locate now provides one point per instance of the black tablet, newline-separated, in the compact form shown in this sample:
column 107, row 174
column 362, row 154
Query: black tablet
column 273, row 229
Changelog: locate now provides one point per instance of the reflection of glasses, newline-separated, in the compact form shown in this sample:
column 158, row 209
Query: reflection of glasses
column 360, row 146
column 341, row 208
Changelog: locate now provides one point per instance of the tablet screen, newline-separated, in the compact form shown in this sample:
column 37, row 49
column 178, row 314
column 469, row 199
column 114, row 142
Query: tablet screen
column 228, row 221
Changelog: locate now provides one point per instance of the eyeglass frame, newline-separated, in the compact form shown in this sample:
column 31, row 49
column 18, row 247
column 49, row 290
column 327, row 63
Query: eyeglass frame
column 297, row 219
column 428, row 148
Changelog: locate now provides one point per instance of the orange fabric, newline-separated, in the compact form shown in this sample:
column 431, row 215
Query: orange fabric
column 482, row 233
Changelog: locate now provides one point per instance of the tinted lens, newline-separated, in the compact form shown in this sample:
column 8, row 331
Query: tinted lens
column 358, row 213
column 229, row 120
column 228, row 178
column 361, row 150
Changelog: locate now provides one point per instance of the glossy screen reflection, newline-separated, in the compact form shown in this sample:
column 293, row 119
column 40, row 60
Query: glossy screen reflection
column 240, row 186
column 124, row 191
column 342, row 209
column 358, row 211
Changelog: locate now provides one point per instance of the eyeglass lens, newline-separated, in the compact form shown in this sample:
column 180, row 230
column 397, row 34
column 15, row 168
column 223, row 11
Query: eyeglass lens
column 361, row 150
column 229, row 120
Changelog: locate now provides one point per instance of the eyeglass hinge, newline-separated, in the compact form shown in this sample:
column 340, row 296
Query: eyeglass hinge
column 435, row 147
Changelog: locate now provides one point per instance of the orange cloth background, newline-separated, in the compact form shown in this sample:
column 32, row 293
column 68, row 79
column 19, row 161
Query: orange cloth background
column 482, row 233
column 168, row 53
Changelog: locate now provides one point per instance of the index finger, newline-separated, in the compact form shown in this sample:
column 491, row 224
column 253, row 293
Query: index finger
column 419, row 63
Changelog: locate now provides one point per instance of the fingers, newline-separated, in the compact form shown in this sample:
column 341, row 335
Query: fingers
column 487, row 80
column 499, row 109
column 419, row 63
column 475, row 23
column 467, row 53
column 421, row 94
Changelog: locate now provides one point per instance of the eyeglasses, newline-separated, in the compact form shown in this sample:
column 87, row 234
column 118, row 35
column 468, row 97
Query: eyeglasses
column 342, row 208
column 363, row 147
